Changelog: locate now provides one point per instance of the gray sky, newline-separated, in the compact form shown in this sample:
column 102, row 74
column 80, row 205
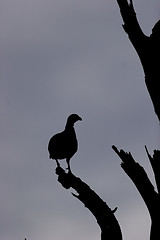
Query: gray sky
column 61, row 57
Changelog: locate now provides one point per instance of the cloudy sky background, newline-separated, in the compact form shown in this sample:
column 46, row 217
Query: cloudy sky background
column 60, row 57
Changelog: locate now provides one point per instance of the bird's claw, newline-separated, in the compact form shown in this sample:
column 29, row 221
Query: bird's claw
column 69, row 170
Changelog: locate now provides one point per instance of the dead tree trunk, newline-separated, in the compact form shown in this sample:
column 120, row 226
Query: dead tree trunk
column 148, row 50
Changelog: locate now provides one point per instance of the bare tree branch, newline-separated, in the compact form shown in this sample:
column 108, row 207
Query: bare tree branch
column 110, row 228
column 139, row 177
column 148, row 50
column 155, row 163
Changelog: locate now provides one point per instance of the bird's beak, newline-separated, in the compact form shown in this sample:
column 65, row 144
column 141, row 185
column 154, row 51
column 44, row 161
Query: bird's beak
column 80, row 119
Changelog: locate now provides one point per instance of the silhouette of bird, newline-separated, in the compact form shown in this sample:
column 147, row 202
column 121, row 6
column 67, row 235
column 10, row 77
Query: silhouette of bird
column 64, row 145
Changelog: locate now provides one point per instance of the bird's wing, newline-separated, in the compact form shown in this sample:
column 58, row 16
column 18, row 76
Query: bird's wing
column 57, row 146
column 63, row 145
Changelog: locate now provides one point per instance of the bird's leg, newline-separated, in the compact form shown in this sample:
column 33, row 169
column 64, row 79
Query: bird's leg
column 58, row 165
column 68, row 163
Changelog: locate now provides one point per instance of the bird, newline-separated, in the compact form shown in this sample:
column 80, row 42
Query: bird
column 64, row 145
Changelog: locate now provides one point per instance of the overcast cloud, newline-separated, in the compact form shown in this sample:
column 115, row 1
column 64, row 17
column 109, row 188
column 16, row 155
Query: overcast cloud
column 61, row 57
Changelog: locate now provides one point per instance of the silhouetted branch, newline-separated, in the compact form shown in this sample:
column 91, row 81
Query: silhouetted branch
column 145, row 188
column 131, row 25
column 148, row 49
column 110, row 228
column 138, row 176
column 155, row 163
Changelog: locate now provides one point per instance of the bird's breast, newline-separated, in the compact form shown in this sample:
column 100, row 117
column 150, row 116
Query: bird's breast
column 63, row 145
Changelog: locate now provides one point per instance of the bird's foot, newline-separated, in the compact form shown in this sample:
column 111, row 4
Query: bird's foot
column 58, row 164
column 69, row 169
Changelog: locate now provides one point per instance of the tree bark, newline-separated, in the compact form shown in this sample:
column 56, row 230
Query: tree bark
column 106, row 220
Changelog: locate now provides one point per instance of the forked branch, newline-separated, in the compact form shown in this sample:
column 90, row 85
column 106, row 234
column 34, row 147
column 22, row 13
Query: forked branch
column 139, row 177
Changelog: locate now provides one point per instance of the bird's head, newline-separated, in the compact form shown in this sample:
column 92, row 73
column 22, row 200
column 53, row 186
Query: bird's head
column 72, row 119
